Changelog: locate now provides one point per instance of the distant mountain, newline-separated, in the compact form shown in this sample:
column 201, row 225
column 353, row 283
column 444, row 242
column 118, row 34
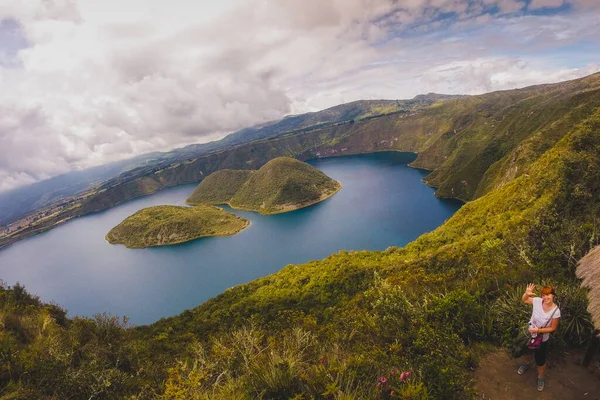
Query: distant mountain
column 283, row 184
column 165, row 225
column 21, row 201
column 340, row 115
column 354, row 111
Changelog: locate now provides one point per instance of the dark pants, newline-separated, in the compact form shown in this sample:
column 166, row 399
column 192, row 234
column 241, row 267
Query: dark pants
column 540, row 354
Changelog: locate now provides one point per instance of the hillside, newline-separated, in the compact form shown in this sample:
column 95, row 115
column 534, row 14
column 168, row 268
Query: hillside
column 165, row 225
column 219, row 187
column 23, row 200
column 353, row 324
column 340, row 114
column 282, row 184
column 334, row 328
column 426, row 306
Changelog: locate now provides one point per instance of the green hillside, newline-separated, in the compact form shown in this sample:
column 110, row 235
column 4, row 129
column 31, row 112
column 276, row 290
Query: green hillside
column 219, row 187
column 165, row 225
column 528, row 159
column 283, row 184
column 428, row 307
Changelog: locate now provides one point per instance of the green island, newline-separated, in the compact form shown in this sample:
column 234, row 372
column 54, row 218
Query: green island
column 165, row 225
column 526, row 161
column 282, row 184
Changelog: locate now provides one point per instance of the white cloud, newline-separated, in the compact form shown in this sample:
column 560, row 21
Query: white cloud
column 535, row 4
column 97, row 81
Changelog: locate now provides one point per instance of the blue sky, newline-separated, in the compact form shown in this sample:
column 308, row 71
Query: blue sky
column 85, row 82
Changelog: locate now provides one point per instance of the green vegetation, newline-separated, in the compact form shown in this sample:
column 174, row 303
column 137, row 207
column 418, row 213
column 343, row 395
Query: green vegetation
column 219, row 187
column 350, row 325
column 282, row 184
column 472, row 144
column 164, row 225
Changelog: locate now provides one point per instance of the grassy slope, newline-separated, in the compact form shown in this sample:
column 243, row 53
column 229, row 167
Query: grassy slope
column 164, row 225
column 512, row 211
column 283, row 184
column 493, row 136
column 219, row 187
column 533, row 228
column 434, row 297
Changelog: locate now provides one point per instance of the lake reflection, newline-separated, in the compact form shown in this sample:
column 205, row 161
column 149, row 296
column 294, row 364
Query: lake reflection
column 382, row 203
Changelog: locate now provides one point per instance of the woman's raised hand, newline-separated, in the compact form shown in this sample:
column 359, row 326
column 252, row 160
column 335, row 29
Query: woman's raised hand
column 529, row 290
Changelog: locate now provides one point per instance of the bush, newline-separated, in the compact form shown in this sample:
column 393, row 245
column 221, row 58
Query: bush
column 459, row 312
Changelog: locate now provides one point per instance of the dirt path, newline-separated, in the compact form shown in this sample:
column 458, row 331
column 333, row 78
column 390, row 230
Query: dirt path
column 497, row 379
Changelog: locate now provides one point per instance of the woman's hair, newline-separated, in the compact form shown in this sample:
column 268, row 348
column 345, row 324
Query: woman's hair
column 548, row 290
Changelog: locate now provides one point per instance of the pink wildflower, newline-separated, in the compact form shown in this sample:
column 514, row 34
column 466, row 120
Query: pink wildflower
column 383, row 380
column 392, row 372
column 392, row 393
column 405, row 376
column 378, row 384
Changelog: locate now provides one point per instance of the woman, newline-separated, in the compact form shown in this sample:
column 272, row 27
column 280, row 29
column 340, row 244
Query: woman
column 544, row 320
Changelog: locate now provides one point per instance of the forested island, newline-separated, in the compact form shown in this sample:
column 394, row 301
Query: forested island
column 283, row 184
column 165, row 225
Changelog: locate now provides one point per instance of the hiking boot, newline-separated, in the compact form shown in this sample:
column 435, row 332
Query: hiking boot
column 522, row 369
column 540, row 383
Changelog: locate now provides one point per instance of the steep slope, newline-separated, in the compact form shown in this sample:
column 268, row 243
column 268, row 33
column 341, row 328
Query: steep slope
column 352, row 325
column 165, row 225
column 354, row 111
column 219, row 187
column 533, row 228
column 493, row 136
column 284, row 184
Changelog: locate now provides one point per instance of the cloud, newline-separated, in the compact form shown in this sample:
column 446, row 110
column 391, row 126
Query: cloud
column 535, row 4
column 87, row 82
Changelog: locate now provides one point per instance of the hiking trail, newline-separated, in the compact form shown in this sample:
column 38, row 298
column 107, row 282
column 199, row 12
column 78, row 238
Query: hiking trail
column 566, row 379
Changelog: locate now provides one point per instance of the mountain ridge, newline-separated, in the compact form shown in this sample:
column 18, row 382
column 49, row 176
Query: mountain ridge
column 23, row 200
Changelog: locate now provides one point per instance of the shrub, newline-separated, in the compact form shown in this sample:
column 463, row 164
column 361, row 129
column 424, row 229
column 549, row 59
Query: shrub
column 459, row 312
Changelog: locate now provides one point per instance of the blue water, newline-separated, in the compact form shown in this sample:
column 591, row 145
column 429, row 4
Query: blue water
column 382, row 203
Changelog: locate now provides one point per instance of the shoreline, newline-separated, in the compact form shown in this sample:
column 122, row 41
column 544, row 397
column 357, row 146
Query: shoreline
column 33, row 231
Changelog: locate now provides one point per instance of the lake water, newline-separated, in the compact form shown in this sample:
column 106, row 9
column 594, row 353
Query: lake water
column 382, row 203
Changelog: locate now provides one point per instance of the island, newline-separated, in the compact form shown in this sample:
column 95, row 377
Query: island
column 283, row 184
column 166, row 225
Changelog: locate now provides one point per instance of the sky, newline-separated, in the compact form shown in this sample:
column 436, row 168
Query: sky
column 87, row 82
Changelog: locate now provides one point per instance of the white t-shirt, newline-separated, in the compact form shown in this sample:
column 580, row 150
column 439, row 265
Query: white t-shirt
column 540, row 318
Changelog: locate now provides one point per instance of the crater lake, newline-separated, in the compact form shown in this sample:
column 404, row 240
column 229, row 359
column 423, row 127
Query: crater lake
column 382, row 203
